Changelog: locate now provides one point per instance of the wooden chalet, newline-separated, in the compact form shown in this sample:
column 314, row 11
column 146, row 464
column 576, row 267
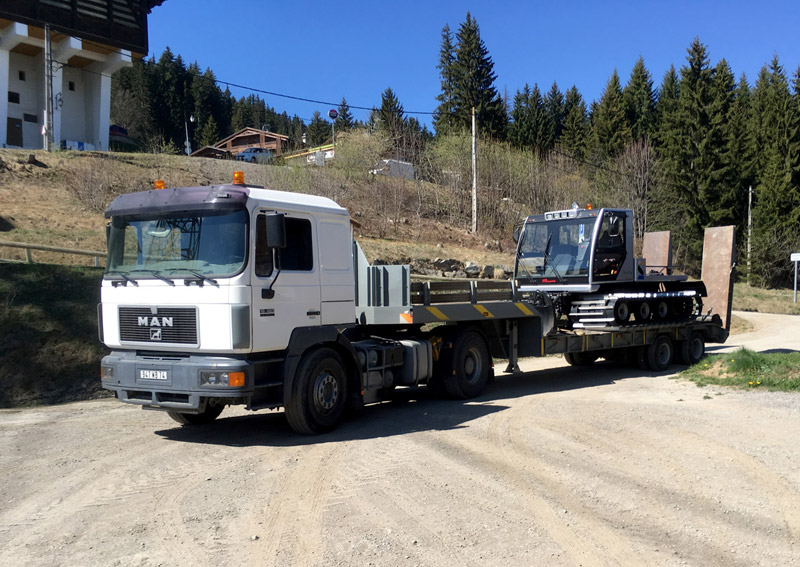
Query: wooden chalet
column 253, row 138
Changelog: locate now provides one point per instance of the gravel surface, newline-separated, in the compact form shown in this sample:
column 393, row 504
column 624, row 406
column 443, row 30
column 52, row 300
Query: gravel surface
column 558, row 466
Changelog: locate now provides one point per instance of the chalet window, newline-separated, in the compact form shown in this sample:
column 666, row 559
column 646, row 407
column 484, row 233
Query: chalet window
column 71, row 85
column 22, row 75
column 13, row 97
column 31, row 118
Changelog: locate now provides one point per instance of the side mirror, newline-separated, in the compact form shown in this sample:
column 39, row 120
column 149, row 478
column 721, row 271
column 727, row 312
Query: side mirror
column 515, row 236
column 276, row 230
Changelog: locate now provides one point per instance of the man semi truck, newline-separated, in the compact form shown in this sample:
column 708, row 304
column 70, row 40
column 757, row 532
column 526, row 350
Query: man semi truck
column 236, row 294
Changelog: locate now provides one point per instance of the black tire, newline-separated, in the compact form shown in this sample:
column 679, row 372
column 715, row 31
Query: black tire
column 466, row 367
column 659, row 354
column 663, row 311
column 252, row 160
column 580, row 358
column 639, row 357
column 622, row 311
column 693, row 349
column 642, row 313
column 318, row 393
column 209, row 414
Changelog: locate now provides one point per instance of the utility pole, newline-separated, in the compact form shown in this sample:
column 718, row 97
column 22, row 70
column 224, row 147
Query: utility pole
column 749, row 227
column 48, row 82
column 474, row 175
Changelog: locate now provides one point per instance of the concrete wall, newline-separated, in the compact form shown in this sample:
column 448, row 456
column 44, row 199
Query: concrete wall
column 80, row 115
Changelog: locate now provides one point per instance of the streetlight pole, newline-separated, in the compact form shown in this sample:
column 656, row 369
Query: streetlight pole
column 187, row 144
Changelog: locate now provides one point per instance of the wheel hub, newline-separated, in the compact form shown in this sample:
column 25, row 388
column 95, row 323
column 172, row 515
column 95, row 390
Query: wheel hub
column 326, row 391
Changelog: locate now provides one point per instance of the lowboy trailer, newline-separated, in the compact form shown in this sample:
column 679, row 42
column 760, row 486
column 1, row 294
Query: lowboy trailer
column 239, row 295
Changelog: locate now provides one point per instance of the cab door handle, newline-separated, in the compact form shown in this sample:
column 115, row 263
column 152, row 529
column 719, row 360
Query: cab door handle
column 312, row 313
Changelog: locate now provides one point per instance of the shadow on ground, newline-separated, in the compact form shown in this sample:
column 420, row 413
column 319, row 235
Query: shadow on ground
column 411, row 410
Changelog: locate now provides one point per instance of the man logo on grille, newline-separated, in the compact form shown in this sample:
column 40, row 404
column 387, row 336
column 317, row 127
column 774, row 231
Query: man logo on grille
column 155, row 334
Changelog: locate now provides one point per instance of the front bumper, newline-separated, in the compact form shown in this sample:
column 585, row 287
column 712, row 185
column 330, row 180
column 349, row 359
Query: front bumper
column 170, row 381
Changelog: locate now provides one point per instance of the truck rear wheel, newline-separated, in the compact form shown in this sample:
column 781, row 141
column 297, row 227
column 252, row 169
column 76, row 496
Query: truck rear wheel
column 466, row 370
column 659, row 354
column 209, row 414
column 580, row 358
column 693, row 349
column 318, row 393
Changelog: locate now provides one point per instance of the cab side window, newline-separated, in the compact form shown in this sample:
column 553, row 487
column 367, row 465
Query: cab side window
column 299, row 252
column 263, row 254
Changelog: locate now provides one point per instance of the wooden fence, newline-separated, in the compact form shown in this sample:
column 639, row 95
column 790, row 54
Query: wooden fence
column 29, row 257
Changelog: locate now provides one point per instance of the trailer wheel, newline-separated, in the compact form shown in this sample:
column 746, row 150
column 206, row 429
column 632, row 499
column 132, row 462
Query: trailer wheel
column 318, row 393
column 659, row 353
column 209, row 414
column 467, row 366
column 642, row 312
column 662, row 310
column 580, row 358
column 693, row 349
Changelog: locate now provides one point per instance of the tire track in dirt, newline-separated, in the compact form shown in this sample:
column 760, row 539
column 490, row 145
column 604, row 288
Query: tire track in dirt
column 292, row 518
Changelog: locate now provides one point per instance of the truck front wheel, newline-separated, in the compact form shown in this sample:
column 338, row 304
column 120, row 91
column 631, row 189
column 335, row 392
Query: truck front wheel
column 467, row 367
column 209, row 414
column 318, row 393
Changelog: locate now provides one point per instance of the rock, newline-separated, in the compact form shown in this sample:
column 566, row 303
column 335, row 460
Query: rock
column 447, row 265
column 499, row 274
column 472, row 270
column 487, row 272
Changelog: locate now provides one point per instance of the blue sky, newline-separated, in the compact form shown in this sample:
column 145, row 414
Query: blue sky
column 326, row 50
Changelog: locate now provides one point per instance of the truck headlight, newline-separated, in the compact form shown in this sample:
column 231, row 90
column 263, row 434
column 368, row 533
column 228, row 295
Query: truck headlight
column 106, row 372
column 223, row 379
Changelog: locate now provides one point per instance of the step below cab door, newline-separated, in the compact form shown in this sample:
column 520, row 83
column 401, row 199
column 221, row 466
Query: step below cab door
column 285, row 282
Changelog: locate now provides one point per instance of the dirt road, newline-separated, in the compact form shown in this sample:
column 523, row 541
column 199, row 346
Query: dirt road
column 561, row 466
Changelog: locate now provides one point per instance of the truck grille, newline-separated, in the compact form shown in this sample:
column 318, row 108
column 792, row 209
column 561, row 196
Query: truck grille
column 176, row 325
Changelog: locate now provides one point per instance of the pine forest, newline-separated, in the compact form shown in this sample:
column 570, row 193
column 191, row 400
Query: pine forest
column 700, row 148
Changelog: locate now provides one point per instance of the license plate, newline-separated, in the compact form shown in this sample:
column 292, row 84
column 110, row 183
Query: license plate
column 153, row 375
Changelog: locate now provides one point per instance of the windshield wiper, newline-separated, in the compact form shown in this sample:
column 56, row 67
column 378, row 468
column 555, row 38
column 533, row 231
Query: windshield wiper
column 548, row 261
column 124, row 276
column 157, row 274
column 198, row 275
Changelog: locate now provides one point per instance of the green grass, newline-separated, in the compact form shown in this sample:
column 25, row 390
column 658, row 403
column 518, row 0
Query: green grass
column 49, row 349
column 747, row 298
column 779, row 371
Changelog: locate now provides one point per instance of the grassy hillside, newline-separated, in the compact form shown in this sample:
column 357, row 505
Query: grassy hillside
column 49, row 350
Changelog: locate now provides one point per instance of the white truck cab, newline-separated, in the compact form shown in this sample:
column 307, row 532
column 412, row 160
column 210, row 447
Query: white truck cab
column 194, row 288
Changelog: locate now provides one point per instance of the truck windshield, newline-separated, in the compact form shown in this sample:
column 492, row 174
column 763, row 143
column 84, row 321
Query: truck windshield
column 556, row 248
column 191, row 245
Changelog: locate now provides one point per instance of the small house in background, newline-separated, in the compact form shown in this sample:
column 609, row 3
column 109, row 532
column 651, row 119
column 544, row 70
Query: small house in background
column 211, row 152
column 394, row 168
column 252, row 138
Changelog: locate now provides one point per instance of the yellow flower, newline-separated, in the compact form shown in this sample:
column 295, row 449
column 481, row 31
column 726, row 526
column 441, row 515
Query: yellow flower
column 750, row 383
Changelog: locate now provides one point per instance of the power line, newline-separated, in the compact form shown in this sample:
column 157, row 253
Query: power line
column 262, row 91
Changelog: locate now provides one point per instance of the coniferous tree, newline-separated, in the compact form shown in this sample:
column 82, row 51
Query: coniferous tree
column 473, row 81
column 390, row 115
column 443, row 116
column 611, row 131
column 319, row 131
column 776, row 214
column 639, row 100
column 344, row 121
column 666, row 108
column 554, row 112
column 210, row 133
column 575, row 133
column 521, row 132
